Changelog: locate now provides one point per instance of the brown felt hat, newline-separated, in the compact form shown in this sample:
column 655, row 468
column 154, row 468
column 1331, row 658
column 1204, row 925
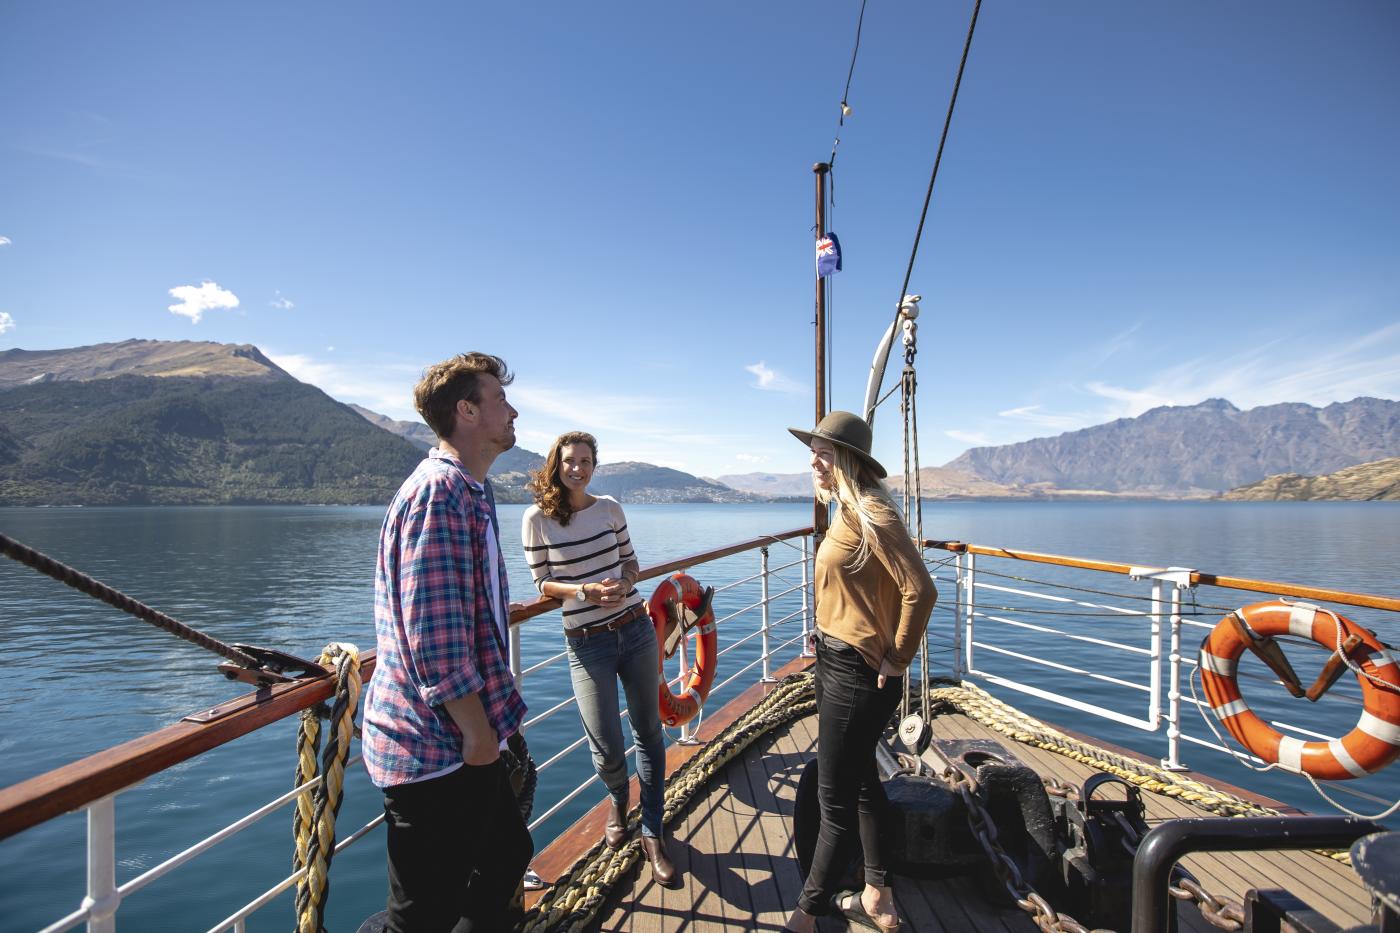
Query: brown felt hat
column 844, row 430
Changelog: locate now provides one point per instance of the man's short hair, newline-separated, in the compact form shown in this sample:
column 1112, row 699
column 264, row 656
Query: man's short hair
column 444, row 384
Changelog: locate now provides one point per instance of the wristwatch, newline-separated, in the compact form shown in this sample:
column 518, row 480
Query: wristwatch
column 580, row 595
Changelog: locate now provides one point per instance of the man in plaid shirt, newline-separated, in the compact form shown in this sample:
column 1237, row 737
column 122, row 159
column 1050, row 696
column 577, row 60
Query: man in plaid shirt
column 442, row 701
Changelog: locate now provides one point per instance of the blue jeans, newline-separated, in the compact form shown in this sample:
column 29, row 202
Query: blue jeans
column 596, row 663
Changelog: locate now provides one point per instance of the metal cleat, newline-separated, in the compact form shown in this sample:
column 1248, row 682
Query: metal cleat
column 273, row 667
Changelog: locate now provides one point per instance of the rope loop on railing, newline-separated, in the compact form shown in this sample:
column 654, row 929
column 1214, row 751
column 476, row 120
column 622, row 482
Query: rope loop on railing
column 313, row 822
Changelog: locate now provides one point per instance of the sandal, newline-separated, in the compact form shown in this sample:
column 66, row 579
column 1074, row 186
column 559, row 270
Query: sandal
column 854, row 912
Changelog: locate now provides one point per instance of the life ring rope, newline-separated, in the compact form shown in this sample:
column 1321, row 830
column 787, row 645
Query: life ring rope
column 679, row 606
column 1370, row 746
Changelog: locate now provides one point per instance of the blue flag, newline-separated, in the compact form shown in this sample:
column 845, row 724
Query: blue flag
column 828, row 255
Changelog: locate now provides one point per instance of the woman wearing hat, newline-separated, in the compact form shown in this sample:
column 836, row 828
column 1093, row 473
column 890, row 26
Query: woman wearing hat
column 873, row 599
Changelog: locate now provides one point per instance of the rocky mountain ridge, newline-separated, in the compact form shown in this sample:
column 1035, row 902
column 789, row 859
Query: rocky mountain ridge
column 1196, row 449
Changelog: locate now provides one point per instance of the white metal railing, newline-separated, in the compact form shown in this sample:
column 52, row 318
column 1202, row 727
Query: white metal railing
column 104, row 896
column 1137, row 647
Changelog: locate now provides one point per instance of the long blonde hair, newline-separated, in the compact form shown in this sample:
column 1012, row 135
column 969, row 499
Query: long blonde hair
column 857, row 489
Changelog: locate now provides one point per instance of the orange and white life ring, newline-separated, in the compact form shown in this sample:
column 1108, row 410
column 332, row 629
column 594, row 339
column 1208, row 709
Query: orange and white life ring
column 678, row 604
column 1370, row 746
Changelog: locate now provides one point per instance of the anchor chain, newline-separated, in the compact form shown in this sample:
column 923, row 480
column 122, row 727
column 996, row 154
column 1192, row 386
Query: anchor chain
column 1219, row 912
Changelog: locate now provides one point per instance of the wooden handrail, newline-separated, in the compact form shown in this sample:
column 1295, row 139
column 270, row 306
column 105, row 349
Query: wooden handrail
column 1343, row 597
column 78, row 784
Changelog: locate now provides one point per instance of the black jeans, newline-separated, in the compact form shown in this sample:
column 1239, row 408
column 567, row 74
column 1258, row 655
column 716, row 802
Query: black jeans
column 851, row 714
column 458, row 848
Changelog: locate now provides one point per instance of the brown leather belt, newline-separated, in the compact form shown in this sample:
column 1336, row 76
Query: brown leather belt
column 612, row 625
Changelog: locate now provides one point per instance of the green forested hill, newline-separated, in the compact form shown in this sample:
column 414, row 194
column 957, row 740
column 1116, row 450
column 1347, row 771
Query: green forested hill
column 192, row 440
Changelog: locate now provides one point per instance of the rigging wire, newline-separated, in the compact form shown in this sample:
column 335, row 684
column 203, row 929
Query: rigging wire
column 845, row 95
column 947, row 122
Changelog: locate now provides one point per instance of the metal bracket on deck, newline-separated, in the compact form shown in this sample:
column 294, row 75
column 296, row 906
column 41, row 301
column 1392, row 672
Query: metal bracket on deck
column 274, row 667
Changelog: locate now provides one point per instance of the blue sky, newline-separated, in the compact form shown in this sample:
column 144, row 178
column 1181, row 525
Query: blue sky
column 1139, row 204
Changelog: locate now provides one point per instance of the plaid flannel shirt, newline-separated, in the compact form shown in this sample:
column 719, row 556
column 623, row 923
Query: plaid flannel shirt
column 436, row 633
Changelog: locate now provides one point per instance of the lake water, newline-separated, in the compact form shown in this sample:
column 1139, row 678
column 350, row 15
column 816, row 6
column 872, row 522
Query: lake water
column 81, row 677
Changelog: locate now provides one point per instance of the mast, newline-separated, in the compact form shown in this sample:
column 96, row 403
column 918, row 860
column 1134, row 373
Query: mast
column 820, row 170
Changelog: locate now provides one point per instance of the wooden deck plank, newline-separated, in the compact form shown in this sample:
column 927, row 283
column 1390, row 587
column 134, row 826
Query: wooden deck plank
column 1322, row 882
column 740, row 870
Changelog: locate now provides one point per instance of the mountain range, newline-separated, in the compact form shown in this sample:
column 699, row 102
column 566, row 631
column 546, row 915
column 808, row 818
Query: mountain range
column 146, row 421
column 1197, row 449
column 197, row 423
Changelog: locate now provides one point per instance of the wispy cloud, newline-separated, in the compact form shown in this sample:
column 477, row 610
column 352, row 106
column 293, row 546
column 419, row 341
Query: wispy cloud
column 971, row 437
column 4, row 241
column 1117, row 343
column 386, row 388
column 194, row 300
column 6, row 322
column 750, row 458
column 770, row 380
column 1036, row 415
column 280, row 302
column 1315, row 372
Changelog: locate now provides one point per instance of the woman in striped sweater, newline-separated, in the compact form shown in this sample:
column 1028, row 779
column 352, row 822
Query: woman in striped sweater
column 580, row 554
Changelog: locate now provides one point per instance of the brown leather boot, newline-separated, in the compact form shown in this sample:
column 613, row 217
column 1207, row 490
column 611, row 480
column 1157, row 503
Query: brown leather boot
column 615, row 830
column 663, row 871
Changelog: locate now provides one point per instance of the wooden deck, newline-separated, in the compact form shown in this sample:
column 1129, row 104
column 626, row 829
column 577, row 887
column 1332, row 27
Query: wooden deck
column 735, row 849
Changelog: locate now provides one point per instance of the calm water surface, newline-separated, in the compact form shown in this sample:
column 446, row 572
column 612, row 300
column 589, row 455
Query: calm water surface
column 82, row 677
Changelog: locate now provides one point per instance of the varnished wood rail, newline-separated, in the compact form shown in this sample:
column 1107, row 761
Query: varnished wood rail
column 1367, row 600
column 78, row 784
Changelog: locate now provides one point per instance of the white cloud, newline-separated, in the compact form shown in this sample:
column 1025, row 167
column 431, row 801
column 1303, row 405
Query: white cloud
column 4, row 241
column 194, row 300
column 971, row 437
column 280, row 302
column 1314, row 372
column 6, row 322
column 770, row 380
column 386, row 388
column 750, row 458
column 330, row 349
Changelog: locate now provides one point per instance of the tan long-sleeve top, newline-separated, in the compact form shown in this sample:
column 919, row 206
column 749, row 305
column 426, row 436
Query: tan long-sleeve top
column 883, row 608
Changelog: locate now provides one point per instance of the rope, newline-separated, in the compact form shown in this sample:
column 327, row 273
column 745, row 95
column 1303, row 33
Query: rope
column 976, row 704
column 574, row 900
column 313, row 822
column 119, row 600
column 947, row 122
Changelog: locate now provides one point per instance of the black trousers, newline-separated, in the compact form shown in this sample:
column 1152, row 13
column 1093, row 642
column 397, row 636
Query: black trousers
column 458, row 848
column 851, row 714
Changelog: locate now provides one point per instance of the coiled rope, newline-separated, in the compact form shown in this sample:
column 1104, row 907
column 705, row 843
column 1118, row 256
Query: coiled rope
column 313, row 822
column 574, row 900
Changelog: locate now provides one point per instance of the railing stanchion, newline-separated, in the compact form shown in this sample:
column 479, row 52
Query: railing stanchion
column 768, row 677
column 516, row 673
column 969, row 603
column 1154, row 671
column 959, row 600
column 102, row 897
column 806, row 602
column 1173, row 760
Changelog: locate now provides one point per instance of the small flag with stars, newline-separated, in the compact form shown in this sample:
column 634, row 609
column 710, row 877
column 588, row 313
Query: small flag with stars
column 828, row 255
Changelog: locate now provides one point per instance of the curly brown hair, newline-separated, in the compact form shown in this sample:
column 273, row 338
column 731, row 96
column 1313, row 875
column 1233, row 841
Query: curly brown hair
column 550, row 494
column 445, row 384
